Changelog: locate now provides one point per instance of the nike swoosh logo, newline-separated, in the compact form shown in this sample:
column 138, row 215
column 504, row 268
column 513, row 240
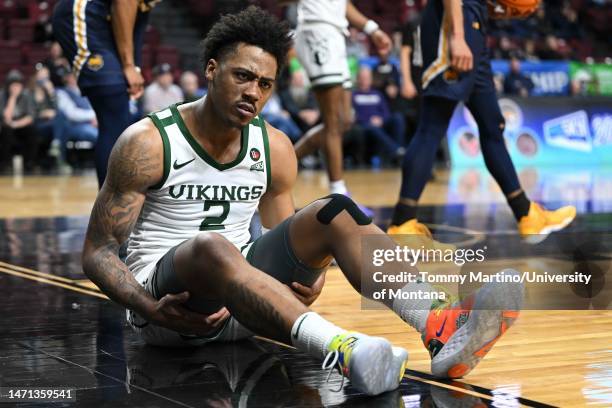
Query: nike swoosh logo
column 439, row 333
column 297, row 330
column 177, row 166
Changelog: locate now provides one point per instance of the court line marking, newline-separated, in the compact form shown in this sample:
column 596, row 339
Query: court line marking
column 50, row 279
column 450, row 387
column 31, row 271
column 53, row 283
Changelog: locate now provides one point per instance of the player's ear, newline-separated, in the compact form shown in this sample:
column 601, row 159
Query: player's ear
column 211, row 68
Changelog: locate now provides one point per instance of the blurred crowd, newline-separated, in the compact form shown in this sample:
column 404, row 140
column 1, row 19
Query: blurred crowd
column 44, row 118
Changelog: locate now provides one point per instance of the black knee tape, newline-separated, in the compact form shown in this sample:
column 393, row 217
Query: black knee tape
column 335, row 206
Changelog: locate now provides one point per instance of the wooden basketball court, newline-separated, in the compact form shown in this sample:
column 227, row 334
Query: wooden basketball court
column 59, row 330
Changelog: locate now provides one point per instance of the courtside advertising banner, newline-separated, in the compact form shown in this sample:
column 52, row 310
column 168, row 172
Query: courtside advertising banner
column 541, row 131
column 549, row 77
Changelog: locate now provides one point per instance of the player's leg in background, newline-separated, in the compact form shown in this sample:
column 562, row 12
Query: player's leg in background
column 330, row 100
column 435, row 116
column 313, row 139
column 111, row 105
column 491, row 125
column 534, row 222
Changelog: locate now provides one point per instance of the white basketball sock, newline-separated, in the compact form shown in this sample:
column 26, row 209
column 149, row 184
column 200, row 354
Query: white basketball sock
column 414, row 312
column 338, row 187
column 312, row 334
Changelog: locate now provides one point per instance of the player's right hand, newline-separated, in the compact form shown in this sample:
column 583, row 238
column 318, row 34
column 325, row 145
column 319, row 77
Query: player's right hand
column 170, row 313
column 135, row 81
column 382, row 42
column 461, row 56
column 408, row 91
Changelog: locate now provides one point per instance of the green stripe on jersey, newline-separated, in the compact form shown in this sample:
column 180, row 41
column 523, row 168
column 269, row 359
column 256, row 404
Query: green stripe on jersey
column 200, row 150
column 166, row 144
column 264, row 132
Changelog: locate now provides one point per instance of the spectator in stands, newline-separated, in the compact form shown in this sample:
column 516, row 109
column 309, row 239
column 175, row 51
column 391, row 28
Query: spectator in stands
column 517, row 83
column 77, row 115
column 299, row 100
column 18, row 113
column 504, row 49
column 43, row 30
column 357, row 44
column 529, row 50
column 163, row 91
column 278, row 117
column 383, row 128
column 542, row 22
column 56, row 63
column 190, row 86
column 566, row 23
column 45, row 123
column 551, row 49
column 386, row 77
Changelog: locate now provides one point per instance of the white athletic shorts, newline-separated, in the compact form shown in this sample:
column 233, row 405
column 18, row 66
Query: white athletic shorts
column 321, row 49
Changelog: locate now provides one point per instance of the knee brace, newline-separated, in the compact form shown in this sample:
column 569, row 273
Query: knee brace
column 335, row 206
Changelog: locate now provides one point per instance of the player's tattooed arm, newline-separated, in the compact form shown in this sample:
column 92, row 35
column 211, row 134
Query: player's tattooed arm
column 276, row 205
column 136, row 163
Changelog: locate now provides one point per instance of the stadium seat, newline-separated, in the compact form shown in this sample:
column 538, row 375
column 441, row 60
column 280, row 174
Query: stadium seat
column 21, row 30
column 35, row 53
column 39, row 11
column 167, row 54
column 11, row 53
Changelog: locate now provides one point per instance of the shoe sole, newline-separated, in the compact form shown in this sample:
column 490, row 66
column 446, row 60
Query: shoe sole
column 546, row 231
column 496, row 307
column 377, row 369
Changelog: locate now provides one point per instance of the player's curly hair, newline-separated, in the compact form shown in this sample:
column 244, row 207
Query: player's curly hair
column 252, row 26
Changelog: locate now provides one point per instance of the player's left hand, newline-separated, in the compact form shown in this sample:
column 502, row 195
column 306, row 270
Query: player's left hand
column 307, row 295
column 135, row 81
column 461, row 56
column 381, row 41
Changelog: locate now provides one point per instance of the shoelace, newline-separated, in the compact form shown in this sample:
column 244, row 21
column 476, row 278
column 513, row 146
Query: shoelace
column 335, row 363
column 335, row 360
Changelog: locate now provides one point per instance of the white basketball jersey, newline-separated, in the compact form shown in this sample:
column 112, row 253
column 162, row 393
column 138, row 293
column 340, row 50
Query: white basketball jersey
column 323, row 11
column 197, row 193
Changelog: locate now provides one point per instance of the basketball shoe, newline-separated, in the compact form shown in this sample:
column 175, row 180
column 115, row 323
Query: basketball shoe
column 418, row 235
column 458, row 334
column 539, row 222
column 372, row 364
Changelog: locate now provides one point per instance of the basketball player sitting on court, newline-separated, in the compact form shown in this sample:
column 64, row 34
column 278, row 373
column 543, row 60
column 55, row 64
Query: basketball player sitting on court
column 183, row 185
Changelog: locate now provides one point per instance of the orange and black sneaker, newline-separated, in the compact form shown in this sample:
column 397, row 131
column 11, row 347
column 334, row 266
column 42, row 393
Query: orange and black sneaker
column 539, row 222
column 458, row 334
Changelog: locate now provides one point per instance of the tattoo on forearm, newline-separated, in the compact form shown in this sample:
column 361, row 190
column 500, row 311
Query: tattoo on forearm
column 115, row 212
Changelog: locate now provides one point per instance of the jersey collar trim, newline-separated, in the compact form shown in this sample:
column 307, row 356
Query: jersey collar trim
column 197, row 147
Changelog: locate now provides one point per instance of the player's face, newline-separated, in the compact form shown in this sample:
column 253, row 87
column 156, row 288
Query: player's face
column 241, row 83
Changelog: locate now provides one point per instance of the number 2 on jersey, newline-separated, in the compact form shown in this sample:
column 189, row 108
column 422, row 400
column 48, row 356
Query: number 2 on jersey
column 214, row 222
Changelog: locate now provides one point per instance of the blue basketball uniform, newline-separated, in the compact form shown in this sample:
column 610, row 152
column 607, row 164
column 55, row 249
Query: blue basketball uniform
column 83, row 29
column 438, row 78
